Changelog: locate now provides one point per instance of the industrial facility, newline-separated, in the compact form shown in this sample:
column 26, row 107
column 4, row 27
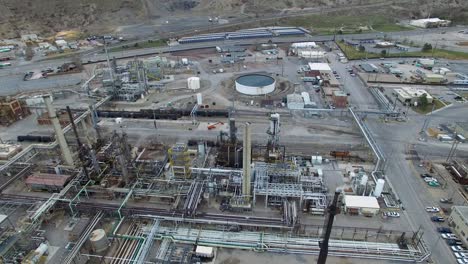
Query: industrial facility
column 183, row 155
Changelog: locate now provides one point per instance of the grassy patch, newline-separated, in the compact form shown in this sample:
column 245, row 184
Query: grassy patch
column 329, row 23
column 464, row 95
column 428, row 108
column 353, row 54
column 141, row 45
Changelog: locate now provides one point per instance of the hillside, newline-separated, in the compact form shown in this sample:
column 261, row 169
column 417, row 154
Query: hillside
column 46, row 17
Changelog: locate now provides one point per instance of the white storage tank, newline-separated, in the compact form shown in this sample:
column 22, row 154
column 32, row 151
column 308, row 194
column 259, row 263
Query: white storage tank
column 99, row 241
column 255, row 84
column 193, row 83
column 364, row 179
column 199, row 99
column 379, row 187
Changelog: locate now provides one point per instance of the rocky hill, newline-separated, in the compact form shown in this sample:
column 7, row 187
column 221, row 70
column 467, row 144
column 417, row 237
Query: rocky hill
column 46, row 17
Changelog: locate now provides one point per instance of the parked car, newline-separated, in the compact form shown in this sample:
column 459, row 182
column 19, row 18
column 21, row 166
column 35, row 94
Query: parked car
column 446, row 200
column 437, row 219
column 393, row 214
column 454, row 242
column 457, row 248
column 432, row 209
column 353, row 75
column 444, row 230
column 462, row 260
column 425, row 175
column 429, row 179
column 448, row 235
column 434, row 183
column 460, row 255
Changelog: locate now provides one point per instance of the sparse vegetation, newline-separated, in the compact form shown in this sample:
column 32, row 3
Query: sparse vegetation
column 141, row 45
column 353, row 54
column 427, row 108
column 426, row 47
column 346, row 24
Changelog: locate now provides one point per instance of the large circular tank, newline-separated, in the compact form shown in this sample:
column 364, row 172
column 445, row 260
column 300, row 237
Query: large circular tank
column 99, row 241
column 255, row 84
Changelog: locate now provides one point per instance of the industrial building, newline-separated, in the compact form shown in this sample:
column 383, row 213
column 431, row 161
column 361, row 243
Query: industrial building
column 434, row 78
column 365, row 205
column 340, row 99
column 426, row 63
column 458, row 220
column 411, row 95
column 12, row 110
column 321, row 67
column 295, row 101
column 46, row 181
column 369, row 67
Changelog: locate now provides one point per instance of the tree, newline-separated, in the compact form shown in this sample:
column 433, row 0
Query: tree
column 427, row 47
column 383, row 53
column 423, row 100
column 362, row 48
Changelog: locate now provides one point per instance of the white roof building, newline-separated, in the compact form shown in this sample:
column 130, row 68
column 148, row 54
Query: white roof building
column 411, row 95
column 304, row 45
column 311, row 54
column 322, row 67
column 430, row 22
column 295, row 101
column 61, row 43
column 356, row 204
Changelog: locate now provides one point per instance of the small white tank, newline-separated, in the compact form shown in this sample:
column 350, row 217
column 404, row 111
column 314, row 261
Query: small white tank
column 364, row 179
column 379, row 187
column 98, row 240
column 193, row 83
column 199, row 99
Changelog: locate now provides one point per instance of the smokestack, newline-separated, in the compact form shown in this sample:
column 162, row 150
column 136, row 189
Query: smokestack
column 232, row 130
column 67, row 156
column 246, row 161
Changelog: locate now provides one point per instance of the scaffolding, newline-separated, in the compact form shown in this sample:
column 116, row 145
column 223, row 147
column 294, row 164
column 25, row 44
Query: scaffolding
column 179, row 160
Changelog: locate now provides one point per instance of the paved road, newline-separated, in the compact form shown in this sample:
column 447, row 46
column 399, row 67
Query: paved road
column 394, row 139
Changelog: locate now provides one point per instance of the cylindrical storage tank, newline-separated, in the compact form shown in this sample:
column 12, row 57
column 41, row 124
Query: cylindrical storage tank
column 379, row 187
column 364, row 179
column 41, row 250
column 199, row 99
column 98, row 240
column 255, row 84
column 193, row 83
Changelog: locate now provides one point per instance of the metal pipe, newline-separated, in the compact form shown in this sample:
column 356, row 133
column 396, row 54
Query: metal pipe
column 246, row 179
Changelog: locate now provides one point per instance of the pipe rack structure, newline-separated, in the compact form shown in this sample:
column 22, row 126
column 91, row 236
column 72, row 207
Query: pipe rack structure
column 261, row 241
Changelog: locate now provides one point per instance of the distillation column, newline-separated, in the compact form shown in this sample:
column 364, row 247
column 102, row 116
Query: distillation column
column 247, row 152
column 67, row 156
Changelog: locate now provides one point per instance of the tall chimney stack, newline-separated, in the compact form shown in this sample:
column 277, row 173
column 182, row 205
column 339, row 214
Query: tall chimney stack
column 67, row 156
column 246, row 161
